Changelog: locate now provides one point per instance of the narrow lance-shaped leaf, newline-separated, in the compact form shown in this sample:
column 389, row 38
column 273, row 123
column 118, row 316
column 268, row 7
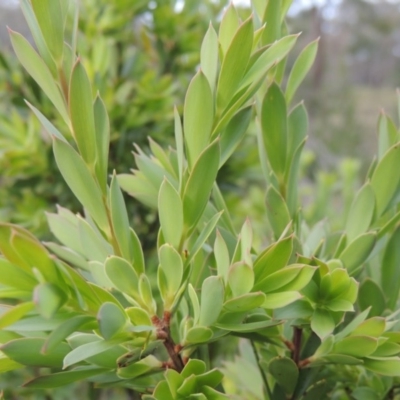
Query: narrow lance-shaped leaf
column 387, row 134
column 170, row 209
column 278, row 213
column 300, row 69
column 102, row 127
column 385, row 188
column 111, row 320
column 81, row 111
column 274, row 128
column 212, row 299
column 49, row 16
column 235, row 62
column 81, row 182
column 391, row 269
column 39, row 72
column 209, row 56
column 200, row 183
column 229, row 25
column 272, row 18
column 120, row 219
column 198, row 117
column 179, row 145
column 361, row 212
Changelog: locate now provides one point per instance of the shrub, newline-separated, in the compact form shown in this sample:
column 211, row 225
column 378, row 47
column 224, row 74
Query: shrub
column 315, row 308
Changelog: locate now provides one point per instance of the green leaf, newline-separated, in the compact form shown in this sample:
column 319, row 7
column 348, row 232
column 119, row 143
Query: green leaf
column 170, row 210
column 245, row 302
column 361, row 212
column 171, row 265
column 146, row 294
column 27, row 351
column 209, row 56
column 81, row 111
column 274, row 128
column 198, row 117
column 200, row 183
column 271, row 56
column 385, row 189
column 300, row 69
column 385, row 366
column 273, row 258
column 272, row 18
column 10, row 275
column 279, row 300
column 277, row 211
column 65, row 329
column 195, row 303
column 36, row 67
column 198, row 334
column 221, row 254
column 388, row 135
column 47, row 125
column 371, row 295
column 146, row 365
column 322, row 323
column 240, row 278
column 102, row 129
column 15, row 313
column 390, row 270
column 122, row 275
column 137, row 251
column 249, row 326
column 61, row 379
column 81, row 182
column 120, row 219
column 48, row 299
column 285, row 372
column 358, row 251
column 229, row 25
column 49, row 16
column 89, row 350
column 356, row 346
column 161, row 392
column 212, row 299
column 235, row 132
column 234, row 63
column 374, row 327
column 112, row 320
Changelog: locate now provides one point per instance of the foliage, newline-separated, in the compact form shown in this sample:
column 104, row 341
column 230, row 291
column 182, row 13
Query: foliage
column 314, row 306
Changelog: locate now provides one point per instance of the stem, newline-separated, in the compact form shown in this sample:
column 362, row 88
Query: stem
column 164, row 333
column 297, row 337
column 263, row 375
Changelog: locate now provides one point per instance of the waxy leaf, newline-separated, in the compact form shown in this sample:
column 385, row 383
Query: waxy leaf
column 80, row 181
column 27, row 351
column 200, row 183
column 356, row 346
column 354, row 255
column 209, row 56
column 274, row 128
column 246, row 302
column 371, row 295
column 170, row 210
column 221, row 254
column 60, row 379
column 234, row 66
column 240, row 278
column 272, row 18
column 385, row 188
column 322, row 323
column 212, row 299
column 198, row 117
column 300, row 69
column 384, row 366
column 171, row 265
column 361, row 212
column 120, row 219
column 229, row 24
column 111, row 320
column 49, row 16
column 277, row 211
column 81, row 111
column 285, row 372
column 122, row 275
column 39, row 72
column 144, row 366
column 279, row 300
column 15, row 313
column 390, row 278
column 48, row 299
column 198, row 334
